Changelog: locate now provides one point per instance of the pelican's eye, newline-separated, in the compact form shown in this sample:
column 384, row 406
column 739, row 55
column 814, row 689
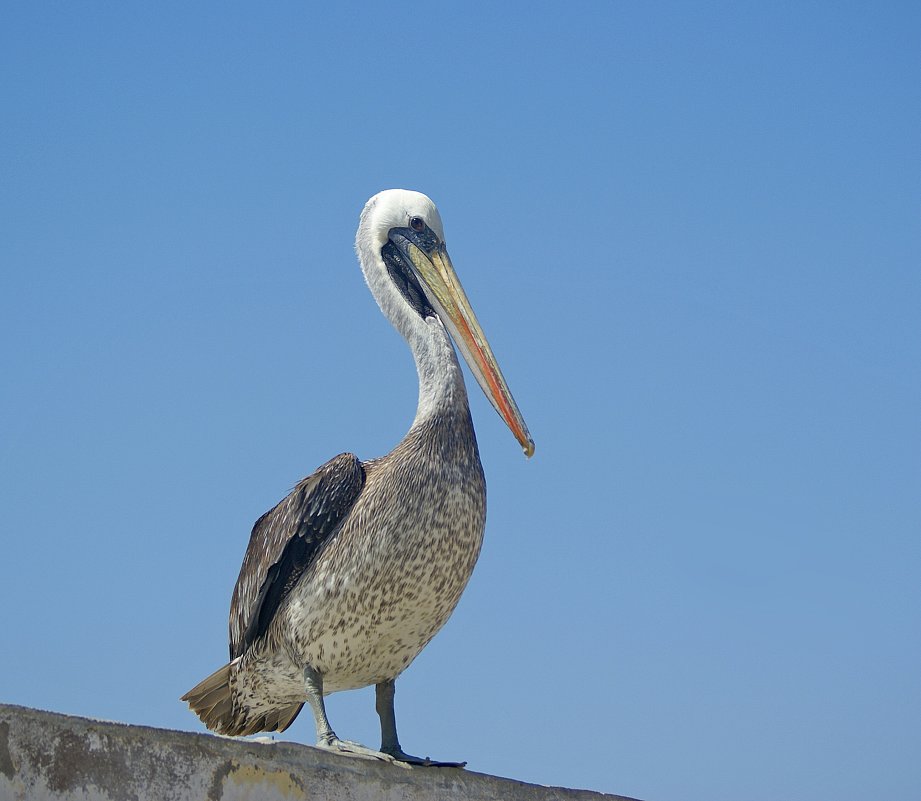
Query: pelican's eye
column 417, row 224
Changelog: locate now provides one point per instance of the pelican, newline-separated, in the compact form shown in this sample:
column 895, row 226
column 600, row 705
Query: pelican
column 349, row 577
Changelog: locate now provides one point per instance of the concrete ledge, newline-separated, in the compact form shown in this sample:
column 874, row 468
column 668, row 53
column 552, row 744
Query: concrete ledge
column 45, row 756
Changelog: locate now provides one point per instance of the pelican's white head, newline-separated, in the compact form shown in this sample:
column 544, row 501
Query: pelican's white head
column 394, row 208
column 401, row 248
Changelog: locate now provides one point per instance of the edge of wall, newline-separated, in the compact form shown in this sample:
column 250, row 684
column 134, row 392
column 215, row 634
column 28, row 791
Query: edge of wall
column 47, row 756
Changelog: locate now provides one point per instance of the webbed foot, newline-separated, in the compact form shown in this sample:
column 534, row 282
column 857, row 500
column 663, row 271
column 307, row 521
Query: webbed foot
column 348, row 748
column 400, row 755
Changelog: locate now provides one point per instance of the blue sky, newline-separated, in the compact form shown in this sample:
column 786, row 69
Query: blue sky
column 692, row 234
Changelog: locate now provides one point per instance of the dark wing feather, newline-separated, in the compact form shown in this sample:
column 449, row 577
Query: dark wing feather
column 285, row 541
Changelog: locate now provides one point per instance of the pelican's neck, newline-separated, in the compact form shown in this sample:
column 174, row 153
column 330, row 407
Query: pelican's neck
column 442, row 431
column 441, row 382
column 442, row 393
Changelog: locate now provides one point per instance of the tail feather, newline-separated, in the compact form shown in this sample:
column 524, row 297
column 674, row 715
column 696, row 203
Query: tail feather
column 280, row 719
column 212, row 700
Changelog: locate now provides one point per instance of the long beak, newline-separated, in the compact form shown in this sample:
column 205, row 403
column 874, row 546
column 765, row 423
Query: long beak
column 447, row 295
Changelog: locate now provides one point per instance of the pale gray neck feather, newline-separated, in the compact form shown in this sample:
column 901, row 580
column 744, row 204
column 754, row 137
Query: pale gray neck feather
column 441, row 381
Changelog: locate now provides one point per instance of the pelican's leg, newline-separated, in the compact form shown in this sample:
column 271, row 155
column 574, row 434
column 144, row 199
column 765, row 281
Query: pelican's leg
column 326, row 737
column 390, row 743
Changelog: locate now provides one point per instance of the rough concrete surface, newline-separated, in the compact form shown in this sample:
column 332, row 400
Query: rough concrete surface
column 45, row 756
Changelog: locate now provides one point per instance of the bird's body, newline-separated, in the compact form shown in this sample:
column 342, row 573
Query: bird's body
column 352, row 574
column 365, row 608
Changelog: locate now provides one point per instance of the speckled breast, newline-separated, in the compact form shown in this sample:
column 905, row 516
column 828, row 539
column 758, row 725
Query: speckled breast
column 393, row 575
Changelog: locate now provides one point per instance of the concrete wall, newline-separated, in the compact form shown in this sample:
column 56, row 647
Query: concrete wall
column 49, row 757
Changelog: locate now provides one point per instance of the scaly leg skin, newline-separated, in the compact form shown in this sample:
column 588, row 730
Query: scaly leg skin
column 326, row 737
column 390, row 743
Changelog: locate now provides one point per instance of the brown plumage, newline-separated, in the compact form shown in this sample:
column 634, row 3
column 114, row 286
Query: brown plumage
column 352, row 574
column 212, row 700
column 374, row 594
